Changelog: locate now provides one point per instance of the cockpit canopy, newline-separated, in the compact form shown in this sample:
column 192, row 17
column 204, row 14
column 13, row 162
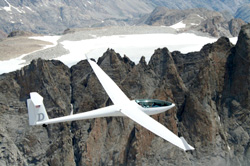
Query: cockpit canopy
column 149, row 103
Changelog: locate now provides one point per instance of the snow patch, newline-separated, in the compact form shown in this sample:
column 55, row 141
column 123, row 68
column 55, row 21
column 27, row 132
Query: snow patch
column 30, row 9
column 200, row 17
column 234, row 40
column 179, row 25
column 194, row 24
column 8, row 9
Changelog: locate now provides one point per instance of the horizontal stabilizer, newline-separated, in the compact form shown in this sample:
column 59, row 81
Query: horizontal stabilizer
column 186, row 145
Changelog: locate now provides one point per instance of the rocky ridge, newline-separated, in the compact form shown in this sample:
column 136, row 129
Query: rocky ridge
column 210, row 89
column 202, row 20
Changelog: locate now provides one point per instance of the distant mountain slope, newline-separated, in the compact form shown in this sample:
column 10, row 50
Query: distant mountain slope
column 54, row 16
column 217, row 5
column 243, row 13
column 203, row 20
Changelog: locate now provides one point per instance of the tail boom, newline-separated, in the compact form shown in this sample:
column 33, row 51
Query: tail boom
column 38, row 115
column 108, row 111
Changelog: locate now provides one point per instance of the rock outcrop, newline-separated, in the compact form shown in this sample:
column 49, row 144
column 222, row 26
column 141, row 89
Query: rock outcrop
column 210, row 89
column 19, row 33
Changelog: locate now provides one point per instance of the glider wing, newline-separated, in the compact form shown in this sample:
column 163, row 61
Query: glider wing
column 115, row 93
column 152, row 125
column 133, row 112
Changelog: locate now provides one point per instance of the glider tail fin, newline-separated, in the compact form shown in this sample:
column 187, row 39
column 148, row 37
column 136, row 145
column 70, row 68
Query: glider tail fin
column 186, row 145
column 36, row 109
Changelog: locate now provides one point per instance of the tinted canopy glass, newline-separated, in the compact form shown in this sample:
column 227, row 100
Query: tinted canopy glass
column 148, row 103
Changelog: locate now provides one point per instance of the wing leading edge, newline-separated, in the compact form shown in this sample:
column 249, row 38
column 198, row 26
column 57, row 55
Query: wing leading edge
column 133, row 112
column 115, row 93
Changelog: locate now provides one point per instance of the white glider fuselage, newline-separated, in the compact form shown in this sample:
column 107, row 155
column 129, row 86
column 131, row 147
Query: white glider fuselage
column 109, row 111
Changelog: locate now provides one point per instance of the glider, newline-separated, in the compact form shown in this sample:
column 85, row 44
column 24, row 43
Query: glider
column 137, row 110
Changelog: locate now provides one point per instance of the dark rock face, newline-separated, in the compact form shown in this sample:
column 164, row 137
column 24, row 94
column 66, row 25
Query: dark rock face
column 210, row 89
column 19, row 33
column 234, row 25
column 52, row 80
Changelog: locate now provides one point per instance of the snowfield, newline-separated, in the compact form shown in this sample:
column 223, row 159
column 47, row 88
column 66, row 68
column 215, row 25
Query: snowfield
column 134, row 46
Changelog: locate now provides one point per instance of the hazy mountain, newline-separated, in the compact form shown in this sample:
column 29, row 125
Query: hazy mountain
column 243, row 13
column 210, row 89
column 217, row 5
column 202, row 20
column 54, row 16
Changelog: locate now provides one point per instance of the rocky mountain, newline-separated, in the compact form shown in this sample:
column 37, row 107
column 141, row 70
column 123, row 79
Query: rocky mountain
column 54, row 16
column 201, row 20
column 210, row 89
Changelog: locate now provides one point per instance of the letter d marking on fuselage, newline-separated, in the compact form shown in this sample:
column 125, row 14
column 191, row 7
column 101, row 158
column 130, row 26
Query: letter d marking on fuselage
column 40, row 116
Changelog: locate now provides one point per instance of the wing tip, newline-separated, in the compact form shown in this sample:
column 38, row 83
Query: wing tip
column 86, row 57
column 90, row 59
column 186, row 145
